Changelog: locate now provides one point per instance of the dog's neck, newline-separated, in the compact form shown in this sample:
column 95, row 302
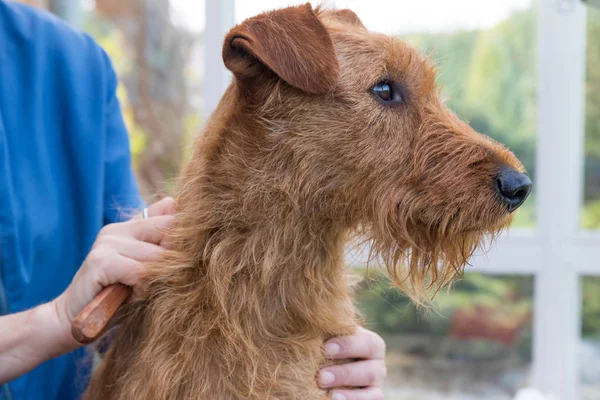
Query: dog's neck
column 261, row 259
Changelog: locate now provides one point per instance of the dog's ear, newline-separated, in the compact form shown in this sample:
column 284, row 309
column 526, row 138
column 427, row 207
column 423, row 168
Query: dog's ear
column 347, row 16
column 291, row 42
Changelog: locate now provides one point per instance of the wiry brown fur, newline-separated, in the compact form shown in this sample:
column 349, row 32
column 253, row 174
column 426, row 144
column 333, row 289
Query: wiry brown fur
column 298, row 159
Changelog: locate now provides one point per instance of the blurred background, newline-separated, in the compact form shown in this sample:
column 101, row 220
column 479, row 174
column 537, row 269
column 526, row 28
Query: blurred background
column 524, row 72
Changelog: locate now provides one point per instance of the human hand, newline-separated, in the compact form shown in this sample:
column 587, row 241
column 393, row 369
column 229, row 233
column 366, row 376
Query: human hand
column 360, row 380
column 118, row 255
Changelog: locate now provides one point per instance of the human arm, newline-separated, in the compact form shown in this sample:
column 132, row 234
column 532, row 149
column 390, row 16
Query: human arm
column 33, row 336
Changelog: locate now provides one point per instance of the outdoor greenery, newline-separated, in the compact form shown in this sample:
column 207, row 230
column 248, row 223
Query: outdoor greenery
column 390, row 313
column 590, row 307
column 591, row 214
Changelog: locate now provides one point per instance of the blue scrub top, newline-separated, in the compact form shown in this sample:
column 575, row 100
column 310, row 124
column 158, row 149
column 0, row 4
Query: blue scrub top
column 65, row 171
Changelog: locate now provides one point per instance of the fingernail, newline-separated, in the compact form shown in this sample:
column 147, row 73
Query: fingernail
column 332, row 349
column 326, row 378
column 338, row 396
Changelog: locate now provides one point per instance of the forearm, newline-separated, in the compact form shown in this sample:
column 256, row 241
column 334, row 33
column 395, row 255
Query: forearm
column 31, row 337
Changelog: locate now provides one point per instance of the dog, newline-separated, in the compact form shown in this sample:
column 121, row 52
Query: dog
column 328, row 132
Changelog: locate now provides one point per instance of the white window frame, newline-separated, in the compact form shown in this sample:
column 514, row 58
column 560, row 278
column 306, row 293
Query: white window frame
column 557, row 253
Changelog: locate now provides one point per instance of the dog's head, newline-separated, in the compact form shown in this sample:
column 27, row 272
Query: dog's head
column 349, row 127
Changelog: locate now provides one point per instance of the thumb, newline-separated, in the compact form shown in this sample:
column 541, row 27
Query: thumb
column 150, row 230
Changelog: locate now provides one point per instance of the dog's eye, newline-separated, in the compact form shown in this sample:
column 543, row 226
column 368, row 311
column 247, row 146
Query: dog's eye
column 388, row 93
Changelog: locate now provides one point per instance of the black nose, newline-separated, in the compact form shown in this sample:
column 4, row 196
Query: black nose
column 513, row 187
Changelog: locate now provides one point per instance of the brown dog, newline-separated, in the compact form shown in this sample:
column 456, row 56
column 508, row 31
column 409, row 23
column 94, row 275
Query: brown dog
column 328, row 131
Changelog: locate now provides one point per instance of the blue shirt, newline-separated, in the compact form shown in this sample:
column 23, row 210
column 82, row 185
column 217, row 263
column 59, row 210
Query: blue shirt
column 65, row 171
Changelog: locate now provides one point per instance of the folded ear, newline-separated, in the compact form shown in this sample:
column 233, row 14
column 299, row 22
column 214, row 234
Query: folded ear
column 291, row 42
column 346, row 16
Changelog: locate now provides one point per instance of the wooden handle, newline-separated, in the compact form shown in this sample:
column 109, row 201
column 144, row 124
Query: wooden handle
column 93, row 319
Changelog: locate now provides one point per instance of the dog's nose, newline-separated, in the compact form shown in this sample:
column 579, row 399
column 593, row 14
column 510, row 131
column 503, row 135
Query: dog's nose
column 513, row 187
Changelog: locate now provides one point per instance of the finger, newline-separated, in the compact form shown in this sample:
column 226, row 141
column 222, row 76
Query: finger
column 363, row 344
column 125, row 270
column 150, row 230
column 132, row 248
column 358, row 374
column 165, row 206
column 358, row 394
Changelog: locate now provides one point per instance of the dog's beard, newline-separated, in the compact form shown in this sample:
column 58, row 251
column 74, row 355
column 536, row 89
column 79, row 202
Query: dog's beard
column 423, row 258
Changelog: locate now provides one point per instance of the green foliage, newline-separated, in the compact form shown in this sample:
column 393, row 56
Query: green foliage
column 591, row 214
column 393, row 315
column 590, row 327
column 452, row 53
column 590, row 218
column 502, row 81
column 389, row 312
column 592, row 112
